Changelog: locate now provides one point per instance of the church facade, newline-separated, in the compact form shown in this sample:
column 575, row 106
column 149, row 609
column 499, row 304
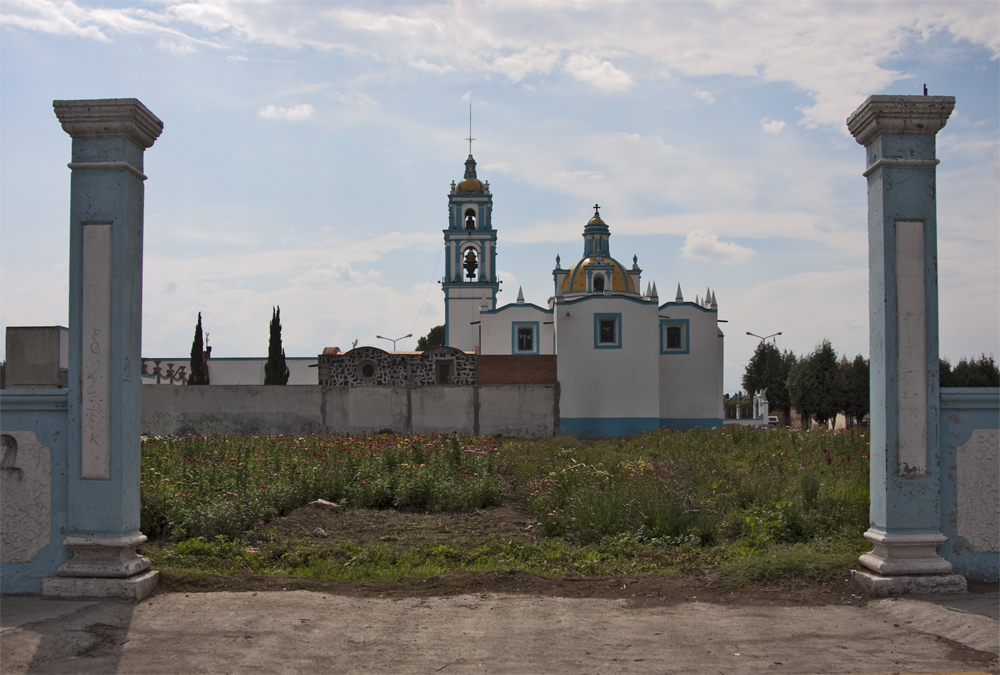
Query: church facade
column 625, row 363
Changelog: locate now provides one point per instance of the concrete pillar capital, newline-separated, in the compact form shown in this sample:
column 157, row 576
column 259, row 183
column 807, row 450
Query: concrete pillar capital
column 126, row 117
column 899, row 115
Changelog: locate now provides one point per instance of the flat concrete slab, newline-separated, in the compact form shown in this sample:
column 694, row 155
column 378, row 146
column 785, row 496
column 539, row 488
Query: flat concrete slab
column 304, row 631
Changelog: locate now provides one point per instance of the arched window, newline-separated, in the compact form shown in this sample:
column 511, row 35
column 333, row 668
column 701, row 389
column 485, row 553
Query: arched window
column 598, row 284
column 470, row 262
column 470, row 219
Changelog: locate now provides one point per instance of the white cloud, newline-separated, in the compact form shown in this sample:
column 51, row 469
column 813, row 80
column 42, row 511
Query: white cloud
column 359, row 100
column 467, row 96
column 804, row 44
column 597, row 73
column 333, row 275
column 423, row 65
column 303, row 111
column 534, row 59
column 700, row 245
column 176, row 47
column 705, row 96
column 772, row 126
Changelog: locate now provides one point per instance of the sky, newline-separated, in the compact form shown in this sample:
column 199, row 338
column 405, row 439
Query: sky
column 308, row 149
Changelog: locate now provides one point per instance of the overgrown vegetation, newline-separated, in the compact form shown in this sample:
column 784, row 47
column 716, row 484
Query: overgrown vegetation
column 740, row 500
column 196, row 486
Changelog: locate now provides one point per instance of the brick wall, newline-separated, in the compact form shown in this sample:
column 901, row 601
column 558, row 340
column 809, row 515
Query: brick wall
column 535, row 369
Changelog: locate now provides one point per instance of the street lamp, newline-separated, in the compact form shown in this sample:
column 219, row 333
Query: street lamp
column 395, row 340
column 764, row 338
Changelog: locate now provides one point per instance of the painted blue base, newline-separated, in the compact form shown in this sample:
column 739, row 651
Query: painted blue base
column 42, row 411
column 610, row 427
column 607, row 427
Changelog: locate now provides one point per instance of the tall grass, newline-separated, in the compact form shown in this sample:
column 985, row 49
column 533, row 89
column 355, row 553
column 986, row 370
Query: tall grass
column 750, row 487
column 737, row 483
column 204, row 486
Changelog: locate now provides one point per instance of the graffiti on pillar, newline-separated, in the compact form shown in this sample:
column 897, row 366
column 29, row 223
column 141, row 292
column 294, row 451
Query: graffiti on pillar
column 94, row 435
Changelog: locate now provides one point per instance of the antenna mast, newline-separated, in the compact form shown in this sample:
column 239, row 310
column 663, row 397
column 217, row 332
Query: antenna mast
column 470, row 138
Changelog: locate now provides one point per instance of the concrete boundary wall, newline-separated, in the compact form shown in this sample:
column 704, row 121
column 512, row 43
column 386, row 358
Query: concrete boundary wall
column 970, row 481
column 526, row 411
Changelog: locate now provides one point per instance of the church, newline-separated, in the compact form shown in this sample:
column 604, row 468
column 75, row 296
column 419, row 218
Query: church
column 625, row 363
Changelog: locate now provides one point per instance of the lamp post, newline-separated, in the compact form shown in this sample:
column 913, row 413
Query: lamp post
column 764, row 338
column 395, row 340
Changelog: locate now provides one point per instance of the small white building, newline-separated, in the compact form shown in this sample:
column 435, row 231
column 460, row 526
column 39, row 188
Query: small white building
column 625, row 364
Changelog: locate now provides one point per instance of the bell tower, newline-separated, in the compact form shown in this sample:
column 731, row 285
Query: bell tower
column 470, row 278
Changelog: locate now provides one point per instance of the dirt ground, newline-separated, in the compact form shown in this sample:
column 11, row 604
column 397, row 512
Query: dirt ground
column 464, row 531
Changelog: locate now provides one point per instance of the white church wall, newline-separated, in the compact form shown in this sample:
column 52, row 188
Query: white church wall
column 690, row 386
column 607, row 389
column 500, row 329
column 461, row 310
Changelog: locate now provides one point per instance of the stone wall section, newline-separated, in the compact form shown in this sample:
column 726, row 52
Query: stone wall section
column 374, row 367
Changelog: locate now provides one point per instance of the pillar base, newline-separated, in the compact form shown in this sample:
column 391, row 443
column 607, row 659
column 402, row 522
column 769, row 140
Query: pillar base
column 133, row 588
column 880, row 587
column 905, row 554
column 104, row 557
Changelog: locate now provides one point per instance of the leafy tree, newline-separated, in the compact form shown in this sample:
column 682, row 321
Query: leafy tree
column 275, row 370
column 768, row 371
column 981, row 372
column 434, row 338
column 816, row 386
column 857, row 395
column 199, row 369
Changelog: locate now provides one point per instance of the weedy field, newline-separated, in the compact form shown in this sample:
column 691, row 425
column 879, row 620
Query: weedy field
column 743, row 505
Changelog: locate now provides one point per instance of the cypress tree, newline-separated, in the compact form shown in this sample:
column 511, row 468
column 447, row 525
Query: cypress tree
column 275, row 370
column 199, row 369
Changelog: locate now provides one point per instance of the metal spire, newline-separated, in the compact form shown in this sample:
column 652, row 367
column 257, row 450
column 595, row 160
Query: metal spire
column 470, row 138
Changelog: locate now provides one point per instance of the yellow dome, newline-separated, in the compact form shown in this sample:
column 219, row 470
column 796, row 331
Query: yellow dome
column 575, row 280
column 471, row 185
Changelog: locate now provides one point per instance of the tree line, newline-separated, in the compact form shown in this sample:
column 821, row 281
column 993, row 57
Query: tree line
column 819, row 386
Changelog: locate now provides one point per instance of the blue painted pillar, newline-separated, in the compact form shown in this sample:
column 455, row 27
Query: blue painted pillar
column 105, row 324
column 898, row 133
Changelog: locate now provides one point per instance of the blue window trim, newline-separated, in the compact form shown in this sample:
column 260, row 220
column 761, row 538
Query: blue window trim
column 685, row 339
column 617, row 318
column 533, row 325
